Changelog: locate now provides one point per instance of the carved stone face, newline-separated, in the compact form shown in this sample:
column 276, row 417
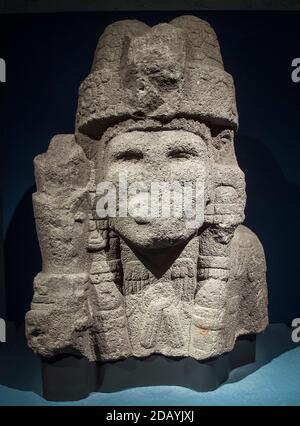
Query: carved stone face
column 165, row 156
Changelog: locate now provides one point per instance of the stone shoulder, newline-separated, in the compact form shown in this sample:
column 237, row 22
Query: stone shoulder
column 247, row 254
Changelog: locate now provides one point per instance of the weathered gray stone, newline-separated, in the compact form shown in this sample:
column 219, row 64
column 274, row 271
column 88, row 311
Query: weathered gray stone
column 159, row 107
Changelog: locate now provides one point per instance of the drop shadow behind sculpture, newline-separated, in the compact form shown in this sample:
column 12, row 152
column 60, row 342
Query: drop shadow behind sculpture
column 157, row 106
column 66, row 378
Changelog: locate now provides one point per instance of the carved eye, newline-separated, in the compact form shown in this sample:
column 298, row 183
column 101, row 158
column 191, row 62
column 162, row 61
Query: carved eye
column 129, row 155
column 182, row 153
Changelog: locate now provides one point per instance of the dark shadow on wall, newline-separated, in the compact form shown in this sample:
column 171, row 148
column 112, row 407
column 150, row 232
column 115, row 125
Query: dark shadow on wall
column 272, row 212
column 22, row 259
column 2, row 280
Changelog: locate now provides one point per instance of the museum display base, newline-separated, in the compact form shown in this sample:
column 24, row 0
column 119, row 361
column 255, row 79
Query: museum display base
column 70, row 378
column 273, row 379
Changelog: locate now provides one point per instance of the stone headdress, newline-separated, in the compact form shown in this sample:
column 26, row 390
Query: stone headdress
column 168, row 71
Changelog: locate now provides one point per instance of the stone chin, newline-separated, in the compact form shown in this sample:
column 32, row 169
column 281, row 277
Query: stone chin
column 153, row 234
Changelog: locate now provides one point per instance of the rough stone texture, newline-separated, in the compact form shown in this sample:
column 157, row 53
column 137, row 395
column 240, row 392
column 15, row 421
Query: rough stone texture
column 158, row 105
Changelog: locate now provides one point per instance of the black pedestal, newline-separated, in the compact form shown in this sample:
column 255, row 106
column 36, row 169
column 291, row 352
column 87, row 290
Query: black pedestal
column 68, row 377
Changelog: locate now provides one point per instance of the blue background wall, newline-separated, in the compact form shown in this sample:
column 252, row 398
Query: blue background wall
column 49, row 55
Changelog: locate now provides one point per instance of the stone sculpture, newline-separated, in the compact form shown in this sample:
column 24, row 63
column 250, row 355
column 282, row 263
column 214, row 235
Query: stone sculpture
column 157, row 106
